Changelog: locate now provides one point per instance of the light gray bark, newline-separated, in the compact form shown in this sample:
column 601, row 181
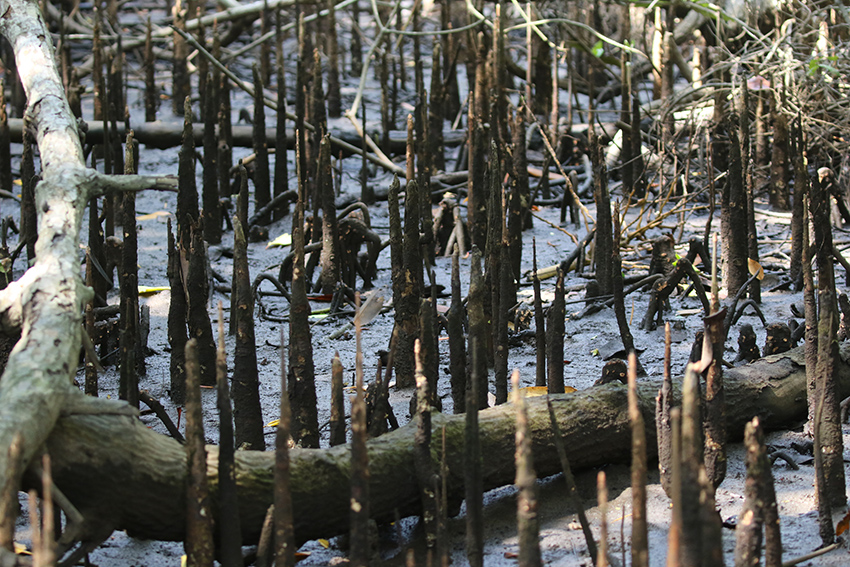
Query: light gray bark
column 46, row 303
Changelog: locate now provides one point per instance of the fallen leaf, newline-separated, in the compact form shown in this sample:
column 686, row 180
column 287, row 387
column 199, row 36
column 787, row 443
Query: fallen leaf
column 273, row 423
column 145, row 290
column 152, row 216
column 284, row 239
column 21, row 549
column 511, row 555
column 301, row 555
column 755, row 269
column 843, row 525
column 370, row 309
column 324, row 543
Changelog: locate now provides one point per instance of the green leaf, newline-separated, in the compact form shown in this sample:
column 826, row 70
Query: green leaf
column 814, row 65
column 598, row 49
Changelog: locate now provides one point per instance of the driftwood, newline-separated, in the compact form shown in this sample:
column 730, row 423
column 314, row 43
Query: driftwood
column 47, row 302
column 125, row 476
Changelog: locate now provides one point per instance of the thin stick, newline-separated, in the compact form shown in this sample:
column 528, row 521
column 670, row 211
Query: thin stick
column 571, row 485
column 528, row 524
column 284, row 532
column 602, row 496
column 812, row 555
column 640, row 538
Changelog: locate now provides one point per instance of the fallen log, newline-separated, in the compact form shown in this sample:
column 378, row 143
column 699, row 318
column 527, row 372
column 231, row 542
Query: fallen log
column 163, row 135
column 125, row 476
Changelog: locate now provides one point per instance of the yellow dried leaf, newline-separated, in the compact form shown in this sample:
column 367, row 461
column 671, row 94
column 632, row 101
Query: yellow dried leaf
column 324, row 543
column 284, row 239
column 273, row 423
column 755, row 269
column 843, row 525
column 152, row 216
column 150, row 290
column 536, row 391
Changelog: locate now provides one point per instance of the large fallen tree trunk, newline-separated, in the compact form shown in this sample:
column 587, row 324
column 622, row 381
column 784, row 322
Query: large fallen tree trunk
column 117, row 471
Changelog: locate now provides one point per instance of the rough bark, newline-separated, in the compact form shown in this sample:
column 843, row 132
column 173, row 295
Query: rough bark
column 555, row 339
column 101, row 460
column 230, row 533
column 301, row 374
column 604, row 237
column 477, row 331
column 262, row 179
column 410, row 289
column 664, row 404
column 457, row 349
column 48, row 300
column 748, row 532
column 779, row 166
column 714, row 422
column 245, row 389
column 199, row 526
column 330, row 233
column 196, row 284
column 733, row 219
column 129, row 302
column 832, row 447
column 520, row 199
column 177, row 311
column 212, row 210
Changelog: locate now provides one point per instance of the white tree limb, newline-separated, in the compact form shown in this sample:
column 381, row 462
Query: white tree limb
column 47, row 301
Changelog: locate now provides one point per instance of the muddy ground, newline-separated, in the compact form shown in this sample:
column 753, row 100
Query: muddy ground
column 588, row 341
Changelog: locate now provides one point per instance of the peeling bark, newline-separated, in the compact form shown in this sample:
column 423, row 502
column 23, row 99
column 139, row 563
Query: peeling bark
column 51, row 294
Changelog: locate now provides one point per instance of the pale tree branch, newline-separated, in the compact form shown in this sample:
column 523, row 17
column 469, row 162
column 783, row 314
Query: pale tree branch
column 46, row 302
